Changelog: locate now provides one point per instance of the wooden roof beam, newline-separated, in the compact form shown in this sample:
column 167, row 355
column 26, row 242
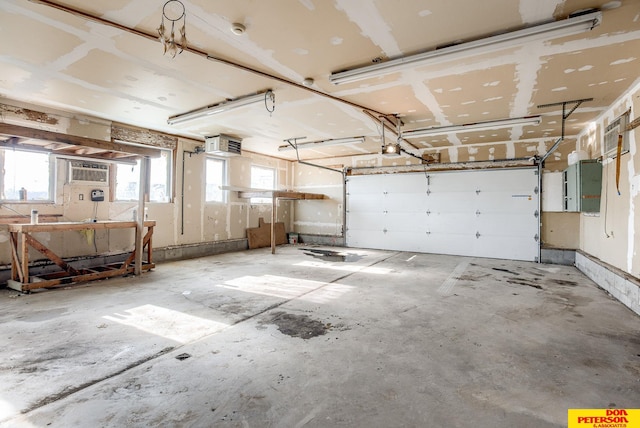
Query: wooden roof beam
column 41, row 134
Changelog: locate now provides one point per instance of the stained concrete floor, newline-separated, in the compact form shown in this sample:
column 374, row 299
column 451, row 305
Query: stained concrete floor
column 305, row 338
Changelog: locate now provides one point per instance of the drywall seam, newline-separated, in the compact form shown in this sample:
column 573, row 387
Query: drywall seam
column 132, row 14
column 308, row 4
column 367, row 17
column 533, row 12
column 527, row 78
column 633, row 88
column 426, row 97
column 218, row 27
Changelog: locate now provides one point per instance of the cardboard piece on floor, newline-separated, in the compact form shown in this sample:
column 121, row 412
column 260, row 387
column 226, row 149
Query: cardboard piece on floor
column 260, row 236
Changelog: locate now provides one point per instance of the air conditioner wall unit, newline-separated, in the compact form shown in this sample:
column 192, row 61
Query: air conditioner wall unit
column 90, row 173
column 612, row 131
column 223, row 145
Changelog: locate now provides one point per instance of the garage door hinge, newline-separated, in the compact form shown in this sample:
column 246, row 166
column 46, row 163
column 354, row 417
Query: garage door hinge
column 536, row 238
column 384, row 230
column 536, row 214
column 536, row 190
column 428, row 232
column 478, row 192
column 428, row 192
column 428, row 212
column 477, row 235
column 477, row 213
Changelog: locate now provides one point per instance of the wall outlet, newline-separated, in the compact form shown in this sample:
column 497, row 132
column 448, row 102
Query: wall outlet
column 81, row 197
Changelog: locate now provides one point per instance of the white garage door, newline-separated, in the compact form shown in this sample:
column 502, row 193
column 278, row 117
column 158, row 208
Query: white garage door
column 482, row 213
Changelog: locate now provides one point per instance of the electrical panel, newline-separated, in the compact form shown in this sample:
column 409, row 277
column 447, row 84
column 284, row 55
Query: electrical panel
column 582, row 186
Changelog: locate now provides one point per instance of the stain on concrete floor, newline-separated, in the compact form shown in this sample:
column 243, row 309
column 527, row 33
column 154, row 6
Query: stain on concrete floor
column 301, row 326
column 331, row 256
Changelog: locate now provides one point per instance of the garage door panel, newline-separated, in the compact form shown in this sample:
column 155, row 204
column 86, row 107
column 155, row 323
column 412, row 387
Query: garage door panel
column 488, row 179
column 404, row 221
column 404, row 241
column 486, row 213
column 364, row 202
column 365, row 220
column 404, row 201
column 506, row 247
column 366, row 239
column 506, row 225
column 449, row 243
column 452, row 222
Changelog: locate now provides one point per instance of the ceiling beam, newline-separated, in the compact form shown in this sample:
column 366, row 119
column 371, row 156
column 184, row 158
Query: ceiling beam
column 41, row 134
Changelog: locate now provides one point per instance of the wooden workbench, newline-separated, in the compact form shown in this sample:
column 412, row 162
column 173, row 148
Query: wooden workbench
column 21, row 236
column 275, row 196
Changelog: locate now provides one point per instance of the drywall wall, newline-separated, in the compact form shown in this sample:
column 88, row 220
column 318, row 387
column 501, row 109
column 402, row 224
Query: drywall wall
column 613, row 234
column 194, row 222
column 561, row 230
column 324, row 216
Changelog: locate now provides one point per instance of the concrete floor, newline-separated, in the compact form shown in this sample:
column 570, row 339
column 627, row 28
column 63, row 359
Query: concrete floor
column 373, row 338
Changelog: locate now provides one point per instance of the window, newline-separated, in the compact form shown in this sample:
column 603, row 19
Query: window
column 28, row 176
column 128, row 178
column 262, row 178
column 128, row 182
column 216, row 176
column 160, row 177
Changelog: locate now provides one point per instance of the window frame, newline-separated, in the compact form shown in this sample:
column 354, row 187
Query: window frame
column 225, row 178
column 136, row 191
column 169, row 178
column 52, row 179
column 148, row 184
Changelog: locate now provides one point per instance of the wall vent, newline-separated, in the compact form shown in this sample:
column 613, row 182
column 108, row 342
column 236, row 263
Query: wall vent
column 83, row 172
column 223, row 145
column 615, row 128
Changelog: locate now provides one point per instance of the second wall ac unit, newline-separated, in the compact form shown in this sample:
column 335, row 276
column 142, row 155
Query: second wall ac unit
column 83, row 172
column 612, row 133
column 223, row 145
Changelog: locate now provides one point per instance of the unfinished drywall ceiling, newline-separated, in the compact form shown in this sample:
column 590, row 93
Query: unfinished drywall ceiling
column 102, row 64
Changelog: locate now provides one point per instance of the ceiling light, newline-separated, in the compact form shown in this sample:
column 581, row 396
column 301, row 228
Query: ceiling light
column 565, row 27
column 219, row 108
column 388, row 149
column 391, row 149
column 492, row 124
column 322, row 143
column 308, row 82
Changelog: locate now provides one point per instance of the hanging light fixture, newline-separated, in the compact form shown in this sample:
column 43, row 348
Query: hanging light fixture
column 389, row 149
column 581, row 22
column 173, row 11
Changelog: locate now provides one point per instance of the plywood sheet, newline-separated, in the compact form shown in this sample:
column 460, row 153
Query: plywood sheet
column 260, row 236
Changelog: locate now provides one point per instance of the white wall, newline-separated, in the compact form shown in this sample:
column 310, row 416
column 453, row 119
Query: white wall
column 203, row 222
column 613, row 235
